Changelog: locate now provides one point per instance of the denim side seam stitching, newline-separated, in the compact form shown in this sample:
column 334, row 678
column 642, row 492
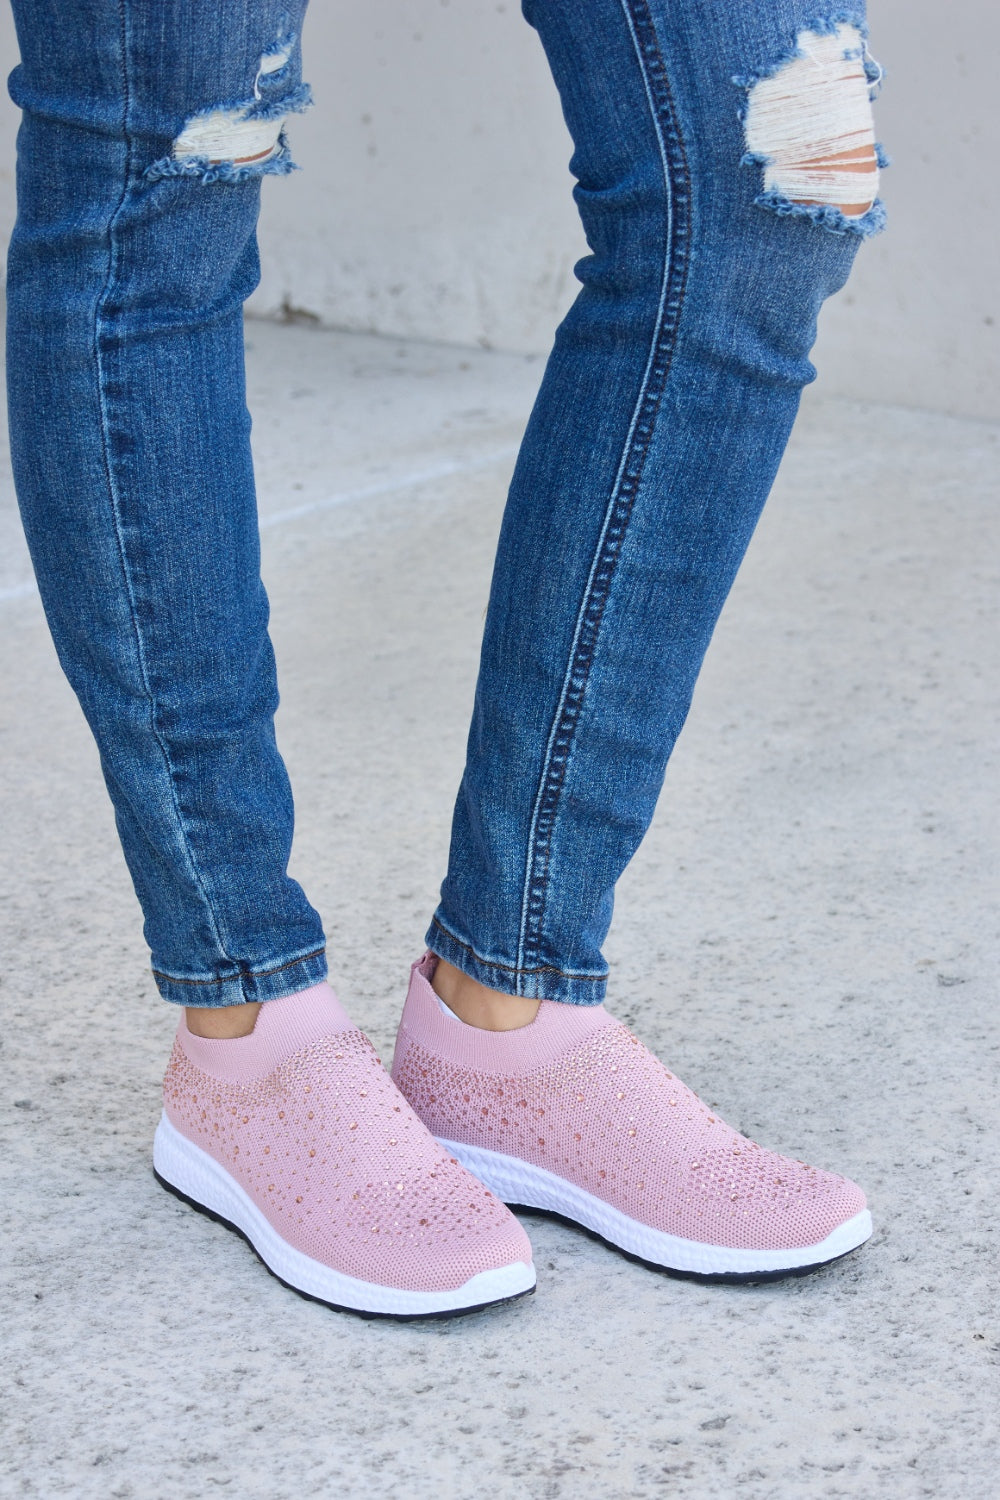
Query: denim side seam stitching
column 677, row 183
column 110, row 473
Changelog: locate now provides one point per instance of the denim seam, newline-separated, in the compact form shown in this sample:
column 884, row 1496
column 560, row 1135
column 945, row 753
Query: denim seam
column 300, row 958
column 586, row 634
column 110, row 473
column 490, row 963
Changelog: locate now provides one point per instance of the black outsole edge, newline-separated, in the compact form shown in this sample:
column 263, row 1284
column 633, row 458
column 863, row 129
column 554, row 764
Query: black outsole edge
column 707, row 1278
column 357, row 1312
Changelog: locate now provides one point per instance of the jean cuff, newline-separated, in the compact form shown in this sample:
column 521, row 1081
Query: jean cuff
column 540, row 982
column 267, row 983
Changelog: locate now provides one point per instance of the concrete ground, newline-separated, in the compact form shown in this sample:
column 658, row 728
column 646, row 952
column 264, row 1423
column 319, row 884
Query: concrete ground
column 808, row 936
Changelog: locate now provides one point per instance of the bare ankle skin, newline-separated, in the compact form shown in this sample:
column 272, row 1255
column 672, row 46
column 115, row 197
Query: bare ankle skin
column 476, row 1005
column 222, row 1022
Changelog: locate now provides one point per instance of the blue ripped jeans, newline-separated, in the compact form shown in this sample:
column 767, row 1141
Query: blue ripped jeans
column 662, row 416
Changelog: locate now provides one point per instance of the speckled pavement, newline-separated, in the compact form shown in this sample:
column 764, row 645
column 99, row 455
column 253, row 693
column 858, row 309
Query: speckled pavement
column 808, row 936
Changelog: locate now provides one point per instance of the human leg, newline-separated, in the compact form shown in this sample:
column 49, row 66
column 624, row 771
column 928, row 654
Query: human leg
column 662, row 416
column 128, row 269
column 146, row 132
column 664, row 411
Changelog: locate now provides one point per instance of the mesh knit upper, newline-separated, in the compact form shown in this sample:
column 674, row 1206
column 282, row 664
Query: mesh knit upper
column 605, row 1114
column 333, row 1155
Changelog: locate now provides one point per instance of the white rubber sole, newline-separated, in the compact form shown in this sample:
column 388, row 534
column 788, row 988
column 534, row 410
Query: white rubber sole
column 518, row 1182
column 186, row 1170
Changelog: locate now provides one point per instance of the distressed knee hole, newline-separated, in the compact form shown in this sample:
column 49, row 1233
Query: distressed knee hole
column 232, row 141
column 809, row 125
column 230, row 135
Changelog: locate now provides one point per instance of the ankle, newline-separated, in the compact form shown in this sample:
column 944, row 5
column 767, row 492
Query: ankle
column 477, row 1005
column 222, row 1022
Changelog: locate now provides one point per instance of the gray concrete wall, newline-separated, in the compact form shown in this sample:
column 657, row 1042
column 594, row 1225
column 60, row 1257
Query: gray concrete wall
column 435, row 202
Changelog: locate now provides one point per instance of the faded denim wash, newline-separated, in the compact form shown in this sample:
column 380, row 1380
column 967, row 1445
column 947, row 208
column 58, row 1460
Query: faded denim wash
column 663, row 414
column 662, row 417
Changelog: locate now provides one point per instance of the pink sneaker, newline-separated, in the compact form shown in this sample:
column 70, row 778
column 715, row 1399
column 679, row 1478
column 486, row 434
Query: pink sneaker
column 296, row 1137
column 572, row 1115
